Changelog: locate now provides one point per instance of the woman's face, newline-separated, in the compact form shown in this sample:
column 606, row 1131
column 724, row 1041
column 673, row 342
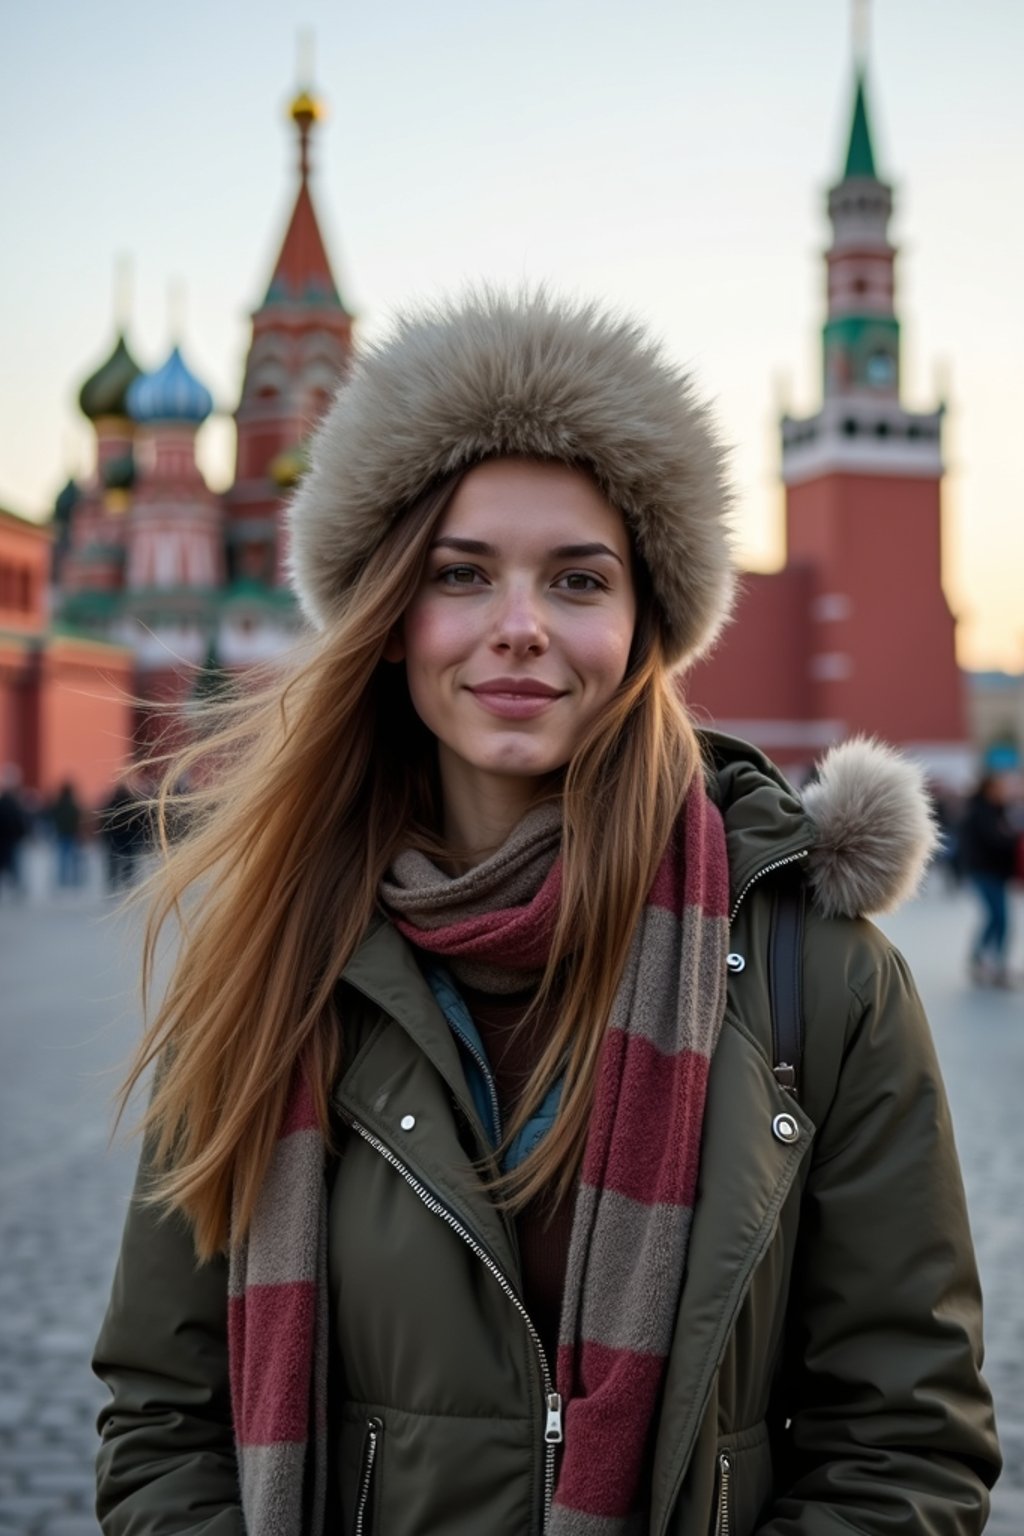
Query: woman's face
column 521, row 628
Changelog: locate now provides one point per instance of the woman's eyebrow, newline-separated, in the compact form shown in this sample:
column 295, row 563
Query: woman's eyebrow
column 464, row 546
column 583, row 551
column 563, row 552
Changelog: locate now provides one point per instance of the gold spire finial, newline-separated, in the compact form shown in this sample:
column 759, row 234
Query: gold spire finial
column 306, row 109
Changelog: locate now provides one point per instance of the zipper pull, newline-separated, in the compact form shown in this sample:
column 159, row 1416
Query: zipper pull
column 553, row 1427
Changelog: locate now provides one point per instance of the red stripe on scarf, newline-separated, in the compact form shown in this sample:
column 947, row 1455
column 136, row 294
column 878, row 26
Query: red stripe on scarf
column 639, row 1085
column 300, row 1109
column 701, row 877
column 620, row 1389
column 270, row 1385
column 518, row 938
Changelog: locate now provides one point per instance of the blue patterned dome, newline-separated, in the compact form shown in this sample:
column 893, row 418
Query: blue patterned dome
column 172, row 393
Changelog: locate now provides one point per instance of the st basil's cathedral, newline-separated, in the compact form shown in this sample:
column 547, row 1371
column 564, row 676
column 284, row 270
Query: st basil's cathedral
column 147, row 554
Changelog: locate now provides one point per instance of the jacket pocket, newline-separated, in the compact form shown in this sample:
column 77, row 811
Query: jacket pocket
column 743, row 1482
column 369, row 1479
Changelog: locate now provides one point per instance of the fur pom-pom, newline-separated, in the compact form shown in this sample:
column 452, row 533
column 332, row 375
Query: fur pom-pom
column 875, row 829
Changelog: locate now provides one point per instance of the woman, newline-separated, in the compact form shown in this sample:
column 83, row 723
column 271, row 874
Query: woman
column 471, row 1202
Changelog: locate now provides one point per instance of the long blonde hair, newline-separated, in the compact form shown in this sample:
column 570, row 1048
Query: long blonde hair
column 305, row 789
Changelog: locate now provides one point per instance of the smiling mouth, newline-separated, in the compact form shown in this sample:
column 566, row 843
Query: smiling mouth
column 516, row 688
column 513, row 700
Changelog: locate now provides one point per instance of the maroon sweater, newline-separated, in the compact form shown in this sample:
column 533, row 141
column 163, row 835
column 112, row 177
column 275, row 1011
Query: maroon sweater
column 543, row 1228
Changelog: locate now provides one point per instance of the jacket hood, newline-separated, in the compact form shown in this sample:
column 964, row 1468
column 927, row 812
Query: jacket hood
column 864, row 824
column 524, row 374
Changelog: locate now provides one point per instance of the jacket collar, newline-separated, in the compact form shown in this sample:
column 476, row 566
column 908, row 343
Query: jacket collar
column 765, row 821
column 384, row 969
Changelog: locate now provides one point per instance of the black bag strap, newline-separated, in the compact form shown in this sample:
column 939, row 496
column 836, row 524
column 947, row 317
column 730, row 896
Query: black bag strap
column 785, row 980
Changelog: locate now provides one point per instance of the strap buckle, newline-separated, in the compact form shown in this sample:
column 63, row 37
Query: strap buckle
column 785, row 1076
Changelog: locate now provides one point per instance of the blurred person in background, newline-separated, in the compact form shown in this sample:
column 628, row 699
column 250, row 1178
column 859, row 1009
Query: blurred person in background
column 989, row 845
column 14, row 828
column 65, row 815
column 124, row 827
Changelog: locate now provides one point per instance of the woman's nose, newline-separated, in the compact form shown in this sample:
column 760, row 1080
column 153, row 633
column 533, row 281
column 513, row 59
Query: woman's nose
column 519, row 623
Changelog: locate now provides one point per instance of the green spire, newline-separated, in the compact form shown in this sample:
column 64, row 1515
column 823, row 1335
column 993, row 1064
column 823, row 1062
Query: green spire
column 860, row 159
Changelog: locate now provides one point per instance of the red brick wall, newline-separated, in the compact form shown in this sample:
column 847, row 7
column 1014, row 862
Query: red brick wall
column 85, row 717
column 876, row 542
column 758, row 670
column 24, row 573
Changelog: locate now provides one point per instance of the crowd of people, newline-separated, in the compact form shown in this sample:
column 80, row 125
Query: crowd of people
column 121, row 825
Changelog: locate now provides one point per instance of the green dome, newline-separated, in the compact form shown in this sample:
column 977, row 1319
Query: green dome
column 103, row 393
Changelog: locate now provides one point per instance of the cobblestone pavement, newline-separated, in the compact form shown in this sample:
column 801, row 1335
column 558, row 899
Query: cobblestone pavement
column 68, row 1016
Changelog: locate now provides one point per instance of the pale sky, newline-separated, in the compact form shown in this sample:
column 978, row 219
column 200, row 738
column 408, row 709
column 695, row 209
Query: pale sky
column 669, row 156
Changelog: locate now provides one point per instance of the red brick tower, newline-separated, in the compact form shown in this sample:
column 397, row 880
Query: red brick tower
column 863, row 500
column 301, row 343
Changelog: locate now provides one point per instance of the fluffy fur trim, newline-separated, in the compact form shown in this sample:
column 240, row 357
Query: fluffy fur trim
column 520, row 374
column 875, row 832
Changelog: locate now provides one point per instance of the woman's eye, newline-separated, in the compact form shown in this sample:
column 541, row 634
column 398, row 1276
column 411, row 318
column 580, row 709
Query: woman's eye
column 458, row 575
column 581, row 581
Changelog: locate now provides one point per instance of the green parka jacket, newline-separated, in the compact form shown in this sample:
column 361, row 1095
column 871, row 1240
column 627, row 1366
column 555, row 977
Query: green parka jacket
column 824, row 1374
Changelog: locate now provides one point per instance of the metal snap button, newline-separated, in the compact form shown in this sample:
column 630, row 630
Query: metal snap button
column 785, row 1128
column 735, row 963
column 408, row 1121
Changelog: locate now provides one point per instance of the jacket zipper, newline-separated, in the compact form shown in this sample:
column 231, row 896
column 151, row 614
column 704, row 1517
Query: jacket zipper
column 373, row 1430
column 723, row 1524
column 485, row 1073
column 552, row 1399
column 793, row 858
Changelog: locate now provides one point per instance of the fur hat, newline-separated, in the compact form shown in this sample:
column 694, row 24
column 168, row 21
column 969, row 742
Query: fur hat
column 527, row 375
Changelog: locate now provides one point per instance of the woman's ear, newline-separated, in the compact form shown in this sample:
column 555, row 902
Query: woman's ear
column 394, row 646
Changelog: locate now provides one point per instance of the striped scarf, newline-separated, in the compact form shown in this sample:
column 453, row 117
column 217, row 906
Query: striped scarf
column 631, row 1223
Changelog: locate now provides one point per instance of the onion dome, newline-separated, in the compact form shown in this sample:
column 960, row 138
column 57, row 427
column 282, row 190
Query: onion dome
column 104, row 392
column 172, row 393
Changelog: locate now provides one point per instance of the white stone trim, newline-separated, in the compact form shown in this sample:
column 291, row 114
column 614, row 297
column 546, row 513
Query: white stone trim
column 167, row 646
column 830, row 666
column 831, row 607
column 239, row 646
column 860, row 456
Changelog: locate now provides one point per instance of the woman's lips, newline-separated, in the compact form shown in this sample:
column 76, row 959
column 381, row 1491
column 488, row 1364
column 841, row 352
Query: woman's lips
column 513, row 700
